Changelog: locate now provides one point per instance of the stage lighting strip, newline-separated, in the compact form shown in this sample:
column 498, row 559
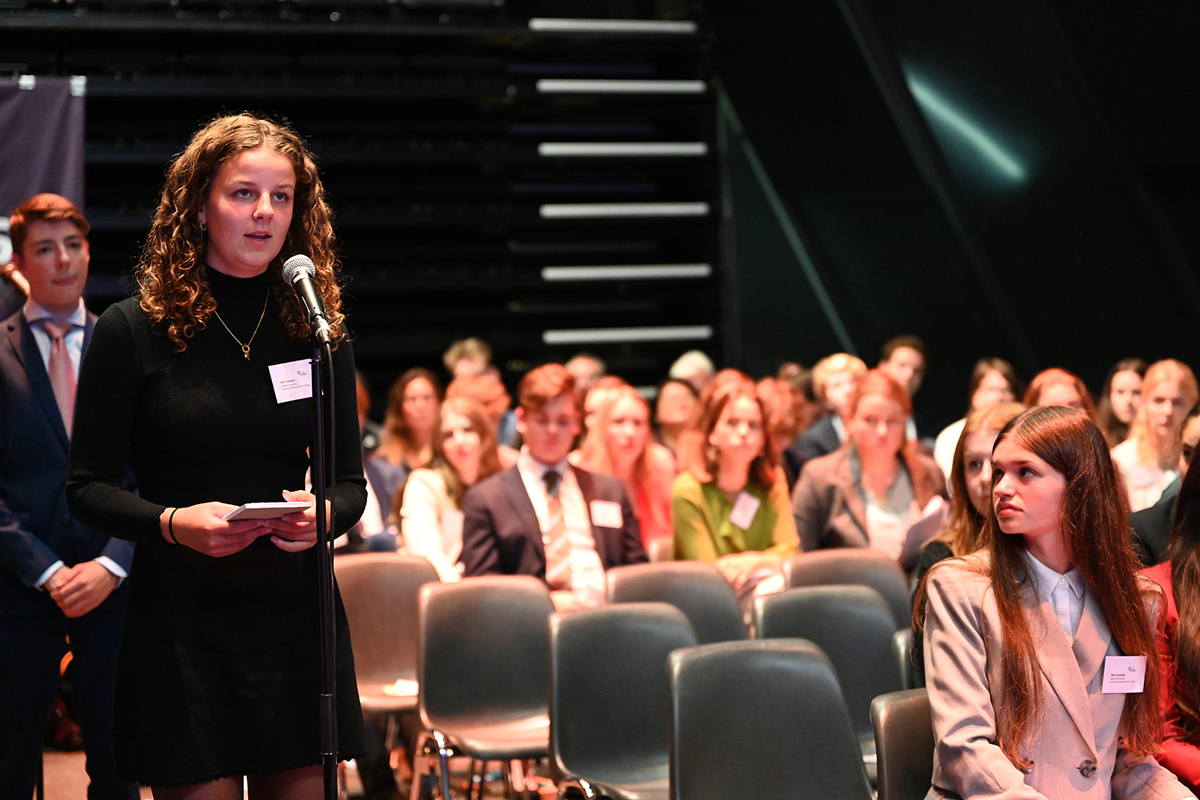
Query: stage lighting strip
column 665, row 333
column 626, row 272
column 556, row 25
column 599, row 86
column 625, row 149
column 609, row 210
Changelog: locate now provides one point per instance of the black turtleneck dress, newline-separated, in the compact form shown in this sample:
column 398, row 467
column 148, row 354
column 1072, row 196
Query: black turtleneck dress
column 219, row 668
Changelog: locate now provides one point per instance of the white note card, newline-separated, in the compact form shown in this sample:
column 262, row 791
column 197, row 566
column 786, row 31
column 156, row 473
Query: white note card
column 607, row 514
column 1124, row 674
column 744, row 509
column 292, row 381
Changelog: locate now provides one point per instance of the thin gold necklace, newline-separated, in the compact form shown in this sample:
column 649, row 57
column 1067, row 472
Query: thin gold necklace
column 246, row 345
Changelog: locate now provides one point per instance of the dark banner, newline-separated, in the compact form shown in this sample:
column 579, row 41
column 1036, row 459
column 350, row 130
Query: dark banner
column 41, row 143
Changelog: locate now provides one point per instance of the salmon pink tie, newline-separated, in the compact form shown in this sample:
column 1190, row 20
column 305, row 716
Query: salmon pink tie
column 62, row 372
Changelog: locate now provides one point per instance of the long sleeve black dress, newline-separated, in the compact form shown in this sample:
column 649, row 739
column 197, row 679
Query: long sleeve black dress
column 219, row 670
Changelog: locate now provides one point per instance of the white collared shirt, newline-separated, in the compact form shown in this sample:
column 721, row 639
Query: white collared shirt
column 73, row 340
column 1064, row 593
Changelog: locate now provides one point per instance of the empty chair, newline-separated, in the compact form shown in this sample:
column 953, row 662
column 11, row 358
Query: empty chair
column 763, row 720
column 853, row 565
column 853, row 626
column 609, row 701
column 484, row 669
column 696, row 588
column 904, row 744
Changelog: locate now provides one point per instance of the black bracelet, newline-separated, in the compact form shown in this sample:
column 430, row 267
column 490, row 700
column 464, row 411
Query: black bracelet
column 171, row 525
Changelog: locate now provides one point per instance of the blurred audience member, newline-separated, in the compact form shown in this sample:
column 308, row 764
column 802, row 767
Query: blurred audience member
column 729, row 504
column 470, row 356
column 674, row 407
column 694, row 367
column 430, row 502
column 1120, row 399
column 799, row 377
column 14, row 288
column 1149, row 459
column 587, row 369
column 785, row 417
column 904, row 358
column 874, row 489
column 408, row 424
column 993, row 382
column 619, row 444
column 371, row 430
column 1057, row 387
column 370, row 533
column 834, row 379
column 1152, row 526
column 598, row 396
column 488, row 391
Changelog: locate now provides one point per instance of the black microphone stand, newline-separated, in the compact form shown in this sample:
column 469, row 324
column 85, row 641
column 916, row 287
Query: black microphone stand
column 323, row 365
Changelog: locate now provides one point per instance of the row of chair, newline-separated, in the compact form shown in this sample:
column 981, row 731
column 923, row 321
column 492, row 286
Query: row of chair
column 485, row 656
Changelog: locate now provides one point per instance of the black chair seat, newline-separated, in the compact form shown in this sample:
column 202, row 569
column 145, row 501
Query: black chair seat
column 498, row 739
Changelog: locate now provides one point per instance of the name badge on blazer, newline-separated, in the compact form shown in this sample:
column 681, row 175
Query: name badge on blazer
column 1124, row 674
column 607, row 514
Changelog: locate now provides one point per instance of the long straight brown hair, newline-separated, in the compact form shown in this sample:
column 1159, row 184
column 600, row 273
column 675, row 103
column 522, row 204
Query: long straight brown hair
column 1094, row 525
column 1183, row 551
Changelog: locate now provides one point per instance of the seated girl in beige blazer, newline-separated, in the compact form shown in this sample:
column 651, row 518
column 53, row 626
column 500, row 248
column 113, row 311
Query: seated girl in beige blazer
column 1020, row 637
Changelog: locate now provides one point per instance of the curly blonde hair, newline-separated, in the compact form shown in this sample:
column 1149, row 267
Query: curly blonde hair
column 172, row 272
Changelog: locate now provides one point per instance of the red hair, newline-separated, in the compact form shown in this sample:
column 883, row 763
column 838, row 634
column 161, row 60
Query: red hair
column 45, row 207
column 700, row 458
column 1060, row 377
column 545, row 384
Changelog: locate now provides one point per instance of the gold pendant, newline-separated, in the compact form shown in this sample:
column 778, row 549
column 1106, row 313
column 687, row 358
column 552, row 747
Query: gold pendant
column 246, row 351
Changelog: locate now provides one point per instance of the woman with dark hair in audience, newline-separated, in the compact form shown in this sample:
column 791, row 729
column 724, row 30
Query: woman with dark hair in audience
column 1179, row 636
column 993, row 382
column 1120, row 399
column 729, row 504
column 674, row 406
column 619, row 444
column 430, row 501
column 870, row 491
column 1149, row 458
column 220, row 668
column 1028, row 641
column 1057, row 387
column 412, row 411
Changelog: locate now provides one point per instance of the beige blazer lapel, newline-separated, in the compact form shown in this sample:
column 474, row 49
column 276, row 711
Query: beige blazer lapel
column 1060, row 666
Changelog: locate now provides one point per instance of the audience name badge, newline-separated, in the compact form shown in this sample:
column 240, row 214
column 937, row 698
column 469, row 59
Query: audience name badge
column 607, row 514
column 1124, row 674
column 292, row 380
column 744, row 509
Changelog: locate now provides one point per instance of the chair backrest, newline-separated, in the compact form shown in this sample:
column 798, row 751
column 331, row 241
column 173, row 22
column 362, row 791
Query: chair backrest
column 853, row 565
column 379, row 592
column 659, row 549
column 697, row 589
column 609, row 702
column 763, row 720
column 904, row 744
column 485, row 649
column 902, row 649
column 852, row 625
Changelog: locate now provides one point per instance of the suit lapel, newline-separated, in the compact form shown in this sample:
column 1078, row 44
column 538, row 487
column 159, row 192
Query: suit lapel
column 853, row 496
column 522, row 507
column 1093, row 639
column 21, row 338
column 1058, row 662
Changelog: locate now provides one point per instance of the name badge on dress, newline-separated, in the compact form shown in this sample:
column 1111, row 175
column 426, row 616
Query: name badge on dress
column 1124, row 674
column 607, row 514
column 744, row 509
column 292, row 380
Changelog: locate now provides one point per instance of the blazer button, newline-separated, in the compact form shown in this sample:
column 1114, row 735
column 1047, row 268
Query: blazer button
column 1087, row 769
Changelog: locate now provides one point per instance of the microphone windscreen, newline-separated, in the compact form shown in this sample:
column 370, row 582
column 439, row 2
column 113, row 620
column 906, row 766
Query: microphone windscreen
column 297, row 267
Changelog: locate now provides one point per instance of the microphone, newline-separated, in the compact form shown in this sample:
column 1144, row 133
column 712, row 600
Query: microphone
column 300, row 271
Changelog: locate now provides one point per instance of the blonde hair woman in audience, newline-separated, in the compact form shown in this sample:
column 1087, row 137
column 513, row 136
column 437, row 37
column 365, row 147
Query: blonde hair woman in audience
column 1057, row 387
column 993, row 382
column 1149, row 458
column 834, row 381
column 430, row 501
column 729, row 504
column 871, row 490
column 408, row 423
column 1021, row 637
column 1120, row 399
column 620, row 444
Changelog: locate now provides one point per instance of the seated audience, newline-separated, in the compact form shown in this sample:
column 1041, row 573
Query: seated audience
column 694, row 367
column 1149, row 458
column 834, row 380
column 799, row 377
column 1120, row 399
column 430, row 502
column 470, row 356
column 1152, row 526
column 674, row 407
column 993, row 382
column 544, row 517
column 1057, row 387
column 1179, row 637
column 408, row 424
column 487, row 390
column 619, row 444
column 787, row 413
column 872, row 490
column 370, row 533
column 729, row 504
column 904, row 358
column 604, row 390
column 1020, row 638
column 586, row 369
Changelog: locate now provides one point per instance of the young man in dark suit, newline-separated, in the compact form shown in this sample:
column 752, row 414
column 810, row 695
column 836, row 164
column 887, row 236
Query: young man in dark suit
column 544, row 517
column 60, row 579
